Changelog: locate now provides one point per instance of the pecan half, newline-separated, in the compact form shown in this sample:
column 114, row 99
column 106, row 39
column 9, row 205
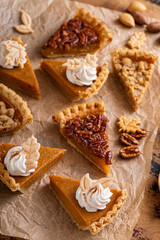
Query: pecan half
column 129, row 152
column 127, row 139
column 141, row 134
column 109, row 157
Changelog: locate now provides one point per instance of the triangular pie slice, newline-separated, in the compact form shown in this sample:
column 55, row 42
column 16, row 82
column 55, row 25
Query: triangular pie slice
column 48, row 158
column 65, row 190
column 85, row 128
column 81, row 35
column 14, row 112
column 57, row 73
column 23, row 79
column 134, row 69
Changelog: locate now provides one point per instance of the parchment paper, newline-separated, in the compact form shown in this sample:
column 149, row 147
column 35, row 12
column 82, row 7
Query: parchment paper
column 37, row 214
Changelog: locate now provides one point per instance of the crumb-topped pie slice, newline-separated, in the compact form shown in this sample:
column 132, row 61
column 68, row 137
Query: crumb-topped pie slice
column 15, row 68
column 77, row 78
column 21, row 166
column 85, row 128
column 134, row 69
column 14, row 113
column 80, row 35
column 90, row 203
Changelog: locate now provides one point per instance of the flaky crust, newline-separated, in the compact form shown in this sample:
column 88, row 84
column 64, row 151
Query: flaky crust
column 105, row 220
column 7, row 179
column 19, row 104
column 119, row 52
column 96, row 85
column 79, row 110
column 101, row 29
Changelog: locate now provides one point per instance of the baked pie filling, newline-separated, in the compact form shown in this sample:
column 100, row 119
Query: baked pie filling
column 90, row 132
column 75, row 33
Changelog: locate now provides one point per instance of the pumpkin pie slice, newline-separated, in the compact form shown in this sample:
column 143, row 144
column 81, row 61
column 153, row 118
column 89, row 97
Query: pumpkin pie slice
column 48, row 158
column 134, row 69
column 65, row 190
column 14, row 112
column 85, row 128
column 57, row 71
column 80, row 35
column 21, row 78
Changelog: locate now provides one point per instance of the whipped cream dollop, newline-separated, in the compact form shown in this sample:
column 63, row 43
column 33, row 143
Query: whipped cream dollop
column 23, row 160
column 82, row 72
column 12, row 54
column 93, row 195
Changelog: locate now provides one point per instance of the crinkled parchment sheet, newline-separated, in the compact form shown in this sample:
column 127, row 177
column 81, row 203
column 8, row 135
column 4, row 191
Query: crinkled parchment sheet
column 37, row 214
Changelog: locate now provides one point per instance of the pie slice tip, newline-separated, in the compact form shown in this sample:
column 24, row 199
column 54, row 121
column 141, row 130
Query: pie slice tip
column 79, row 110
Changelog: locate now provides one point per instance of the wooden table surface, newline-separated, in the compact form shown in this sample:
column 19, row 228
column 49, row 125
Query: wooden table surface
column 148, row 226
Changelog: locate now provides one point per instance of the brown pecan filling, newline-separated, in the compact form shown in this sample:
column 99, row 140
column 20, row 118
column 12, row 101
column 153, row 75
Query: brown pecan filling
column 75, row 32
column 91, row 132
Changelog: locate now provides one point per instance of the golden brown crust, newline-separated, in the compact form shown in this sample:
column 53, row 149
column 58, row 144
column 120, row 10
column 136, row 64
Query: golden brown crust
column 134, row 69
column 19, row 104
column 79, row 110
column 101, row 29
column 97, row 84
column 118, row 52
column 7, row 179
column 105, row 220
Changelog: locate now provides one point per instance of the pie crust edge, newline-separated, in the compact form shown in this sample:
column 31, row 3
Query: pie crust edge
column 7, row 179
column 97, row 84
column 79, row 110
column 103, row 221
column 103, row 31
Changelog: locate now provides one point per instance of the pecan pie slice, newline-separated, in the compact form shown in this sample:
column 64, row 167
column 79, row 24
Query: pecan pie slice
column 134, row 69
column 85, row 128
column 57, row 72
column 14, row 113
column 81, row 35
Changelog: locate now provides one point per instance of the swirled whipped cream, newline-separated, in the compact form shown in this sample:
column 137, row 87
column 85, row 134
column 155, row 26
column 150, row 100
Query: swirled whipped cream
column 23, row 160
column 12, row 54
column 82, row 71
column 93, row 195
